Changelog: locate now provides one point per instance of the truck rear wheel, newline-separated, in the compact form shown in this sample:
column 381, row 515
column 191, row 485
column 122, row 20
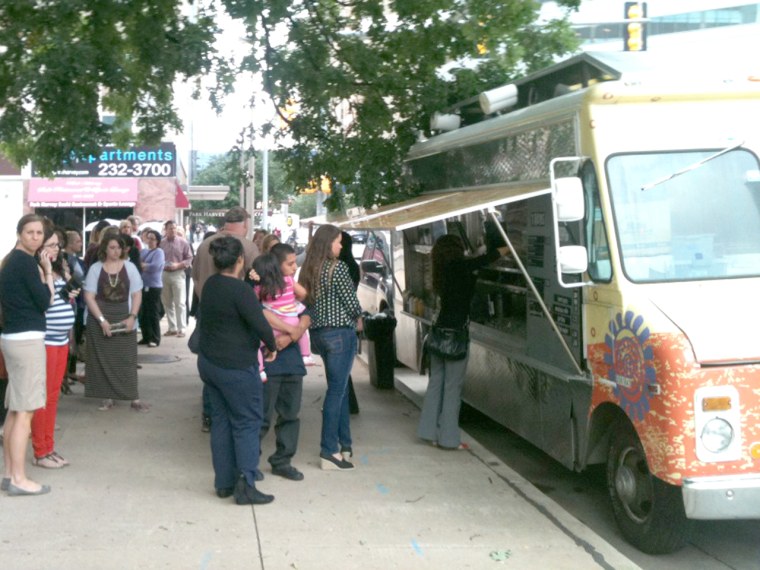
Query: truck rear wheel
column 648, row 511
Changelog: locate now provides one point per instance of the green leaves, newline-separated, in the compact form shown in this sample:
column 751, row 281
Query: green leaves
column 366, row 81
column 364, row 75
column 66, row 61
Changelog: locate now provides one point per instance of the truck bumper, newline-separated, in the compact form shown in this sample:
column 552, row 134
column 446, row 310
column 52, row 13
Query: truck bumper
column 734, row 497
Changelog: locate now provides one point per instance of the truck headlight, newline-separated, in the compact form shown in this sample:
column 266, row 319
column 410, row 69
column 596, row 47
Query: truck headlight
column 717, row 435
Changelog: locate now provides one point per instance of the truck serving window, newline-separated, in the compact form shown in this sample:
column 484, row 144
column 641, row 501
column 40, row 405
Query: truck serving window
column 701, row 224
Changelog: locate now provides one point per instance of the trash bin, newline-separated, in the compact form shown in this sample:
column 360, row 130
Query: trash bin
column 378, row 329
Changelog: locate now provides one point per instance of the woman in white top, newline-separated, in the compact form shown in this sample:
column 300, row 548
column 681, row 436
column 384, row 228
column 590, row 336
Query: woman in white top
column 113, row 293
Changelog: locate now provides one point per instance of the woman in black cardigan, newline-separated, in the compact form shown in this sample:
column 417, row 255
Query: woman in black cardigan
column 232, row 327
column 26, row 291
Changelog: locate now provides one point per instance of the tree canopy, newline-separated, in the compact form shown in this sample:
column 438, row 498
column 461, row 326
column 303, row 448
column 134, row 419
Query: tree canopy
column 64, row 63
column 355, row 81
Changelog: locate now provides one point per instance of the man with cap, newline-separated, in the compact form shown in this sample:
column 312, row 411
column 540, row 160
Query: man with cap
column 236, row 221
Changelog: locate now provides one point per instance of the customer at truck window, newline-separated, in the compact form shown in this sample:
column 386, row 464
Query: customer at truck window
column 336, row 316
column 454, row 283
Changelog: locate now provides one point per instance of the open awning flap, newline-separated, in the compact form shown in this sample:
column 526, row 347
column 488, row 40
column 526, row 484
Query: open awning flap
column 430, row 208
column 180, row 198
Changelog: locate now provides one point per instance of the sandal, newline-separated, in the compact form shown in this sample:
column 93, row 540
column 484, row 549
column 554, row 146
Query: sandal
column 140, row 406
column 59, row 459
column 48, row 462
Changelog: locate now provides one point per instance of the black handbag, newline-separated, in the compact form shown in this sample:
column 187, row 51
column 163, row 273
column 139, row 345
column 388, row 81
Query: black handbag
column 194, row 342
column 448, row 343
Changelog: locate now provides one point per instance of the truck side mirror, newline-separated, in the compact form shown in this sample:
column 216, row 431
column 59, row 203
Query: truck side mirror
column 569, row 200
column 573, row 259
column 372, row 266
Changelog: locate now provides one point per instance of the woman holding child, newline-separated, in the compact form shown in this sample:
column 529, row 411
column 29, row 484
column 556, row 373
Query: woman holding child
column 232, row 326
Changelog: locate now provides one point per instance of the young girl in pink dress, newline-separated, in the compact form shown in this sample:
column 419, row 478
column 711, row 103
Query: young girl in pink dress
column 279, row 293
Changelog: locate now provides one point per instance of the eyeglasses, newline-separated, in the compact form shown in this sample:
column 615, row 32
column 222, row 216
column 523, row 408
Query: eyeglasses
column 55, row 245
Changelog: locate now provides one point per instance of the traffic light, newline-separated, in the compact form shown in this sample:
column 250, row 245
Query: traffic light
column 635, row 33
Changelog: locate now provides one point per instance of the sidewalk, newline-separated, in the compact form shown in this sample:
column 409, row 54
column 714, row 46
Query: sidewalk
column 139, row 494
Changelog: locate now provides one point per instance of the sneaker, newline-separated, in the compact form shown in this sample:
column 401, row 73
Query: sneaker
column 263, row 376
column 152, row 345
column 330, row 463
column 206, row 424
column 106, row 405
column 170, row 333
column 308, row 360
column 140, row 406
column 288, row 472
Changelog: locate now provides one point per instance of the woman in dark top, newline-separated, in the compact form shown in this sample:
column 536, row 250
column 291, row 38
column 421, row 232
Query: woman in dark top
column 454, row 283
column 232, row 327
column 335, row 318
column 152, row 262
column 347, row 257
column 91, row 253
column 26, row 291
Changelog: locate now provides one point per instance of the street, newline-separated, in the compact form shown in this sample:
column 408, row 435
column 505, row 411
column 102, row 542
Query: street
column 713, row 545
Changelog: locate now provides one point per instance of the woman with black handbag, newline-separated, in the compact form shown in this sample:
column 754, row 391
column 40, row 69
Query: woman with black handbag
column 448, row 342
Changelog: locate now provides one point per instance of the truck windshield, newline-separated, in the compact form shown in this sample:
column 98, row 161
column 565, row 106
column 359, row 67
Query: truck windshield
column 702, row 224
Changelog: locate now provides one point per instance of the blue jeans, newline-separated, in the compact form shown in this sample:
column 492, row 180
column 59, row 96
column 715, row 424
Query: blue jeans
column 337, row 347
column 236, row 398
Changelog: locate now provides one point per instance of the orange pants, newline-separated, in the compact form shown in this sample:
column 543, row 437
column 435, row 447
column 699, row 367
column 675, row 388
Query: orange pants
column 43, row 422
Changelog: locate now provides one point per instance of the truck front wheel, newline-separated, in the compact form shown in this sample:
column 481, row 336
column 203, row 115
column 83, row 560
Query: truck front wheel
column 648, row 511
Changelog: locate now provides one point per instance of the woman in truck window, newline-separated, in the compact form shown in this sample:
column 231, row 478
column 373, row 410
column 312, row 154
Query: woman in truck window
column 454, row 283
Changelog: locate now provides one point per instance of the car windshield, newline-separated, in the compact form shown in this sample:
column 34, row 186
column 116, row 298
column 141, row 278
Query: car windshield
column 701, row 224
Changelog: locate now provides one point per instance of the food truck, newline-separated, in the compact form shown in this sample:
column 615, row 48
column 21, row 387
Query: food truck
column 622, row 329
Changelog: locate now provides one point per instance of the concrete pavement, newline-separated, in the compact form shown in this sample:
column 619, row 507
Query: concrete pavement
column 139, row 493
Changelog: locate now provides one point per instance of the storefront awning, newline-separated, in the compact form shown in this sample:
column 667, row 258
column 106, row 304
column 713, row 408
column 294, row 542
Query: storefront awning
column 82, row 192
column 430, row 208
column 180, row 198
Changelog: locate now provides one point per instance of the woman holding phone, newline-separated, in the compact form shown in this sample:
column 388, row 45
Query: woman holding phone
column 26, row 292
column 59, row 319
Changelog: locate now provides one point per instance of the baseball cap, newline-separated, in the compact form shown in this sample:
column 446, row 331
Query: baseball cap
column 236, row 214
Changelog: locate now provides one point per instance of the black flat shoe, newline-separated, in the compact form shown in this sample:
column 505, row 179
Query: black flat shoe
column 224, row 493
column 288, row 472
column 246, row 494
column 329, row 463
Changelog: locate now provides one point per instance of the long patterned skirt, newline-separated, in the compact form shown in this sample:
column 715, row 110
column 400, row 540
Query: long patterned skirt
column 111, row 361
